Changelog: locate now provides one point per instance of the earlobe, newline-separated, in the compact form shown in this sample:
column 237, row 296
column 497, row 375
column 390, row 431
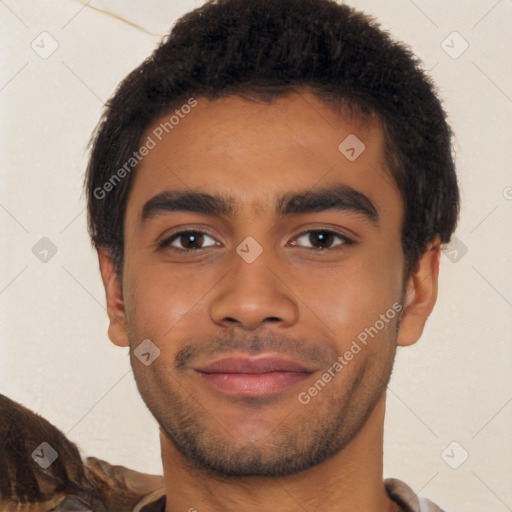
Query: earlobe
column 117, row 331
column 420, row 295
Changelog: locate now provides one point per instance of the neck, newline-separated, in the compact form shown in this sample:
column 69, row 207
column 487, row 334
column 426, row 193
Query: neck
column 350, row 480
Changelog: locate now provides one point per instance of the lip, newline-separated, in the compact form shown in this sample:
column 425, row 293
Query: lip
column 253, row 365
column 253, row 377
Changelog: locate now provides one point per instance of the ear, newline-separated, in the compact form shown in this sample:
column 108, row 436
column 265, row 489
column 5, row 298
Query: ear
column 117, row 331
column 420, row 295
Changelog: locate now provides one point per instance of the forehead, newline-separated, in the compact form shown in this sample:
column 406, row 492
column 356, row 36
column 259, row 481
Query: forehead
column 254, row 151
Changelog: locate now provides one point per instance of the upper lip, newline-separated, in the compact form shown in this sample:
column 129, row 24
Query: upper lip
column 254, row 365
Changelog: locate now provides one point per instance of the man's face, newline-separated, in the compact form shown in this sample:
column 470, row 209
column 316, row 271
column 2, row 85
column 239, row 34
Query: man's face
column 330, row 268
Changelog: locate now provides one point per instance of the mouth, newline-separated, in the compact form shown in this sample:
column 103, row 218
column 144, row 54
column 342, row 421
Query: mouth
column 255, row 377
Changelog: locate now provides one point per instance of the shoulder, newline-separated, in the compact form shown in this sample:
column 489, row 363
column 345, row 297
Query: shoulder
column 153, row 502
column 40, row 465
column 402, row 494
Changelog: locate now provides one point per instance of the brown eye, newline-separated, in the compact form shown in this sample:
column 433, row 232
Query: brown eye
column 321, row 239
column 187, row 241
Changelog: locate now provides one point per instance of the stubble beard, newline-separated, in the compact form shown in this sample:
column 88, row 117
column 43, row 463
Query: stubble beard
column 303, row 435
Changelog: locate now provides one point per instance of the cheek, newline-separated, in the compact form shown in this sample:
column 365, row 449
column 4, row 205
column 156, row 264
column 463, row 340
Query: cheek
column 157, row 302
column 345, row 304
column 351, row 299
column 167, row 307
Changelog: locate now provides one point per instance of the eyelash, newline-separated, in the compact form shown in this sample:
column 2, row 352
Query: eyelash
column 166, row 243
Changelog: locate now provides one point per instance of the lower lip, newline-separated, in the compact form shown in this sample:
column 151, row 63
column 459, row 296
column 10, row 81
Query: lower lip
column 257, row 384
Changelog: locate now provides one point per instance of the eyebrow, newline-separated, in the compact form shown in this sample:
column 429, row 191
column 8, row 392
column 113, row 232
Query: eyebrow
column 337, row 197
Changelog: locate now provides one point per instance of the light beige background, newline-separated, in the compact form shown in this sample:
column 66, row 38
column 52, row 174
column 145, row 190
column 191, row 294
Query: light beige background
column 55, row 357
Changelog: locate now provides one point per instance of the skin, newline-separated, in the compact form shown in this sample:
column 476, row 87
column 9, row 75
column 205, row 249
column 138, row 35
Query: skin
column 271, row 453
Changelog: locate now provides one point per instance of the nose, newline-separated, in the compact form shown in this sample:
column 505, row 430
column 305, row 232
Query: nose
column 254, row 294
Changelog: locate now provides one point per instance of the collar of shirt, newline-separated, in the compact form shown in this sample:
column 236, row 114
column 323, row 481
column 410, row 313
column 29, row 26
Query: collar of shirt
column 397, row 490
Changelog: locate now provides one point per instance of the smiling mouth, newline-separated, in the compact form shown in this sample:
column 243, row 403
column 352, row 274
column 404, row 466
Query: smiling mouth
column 253, row 377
